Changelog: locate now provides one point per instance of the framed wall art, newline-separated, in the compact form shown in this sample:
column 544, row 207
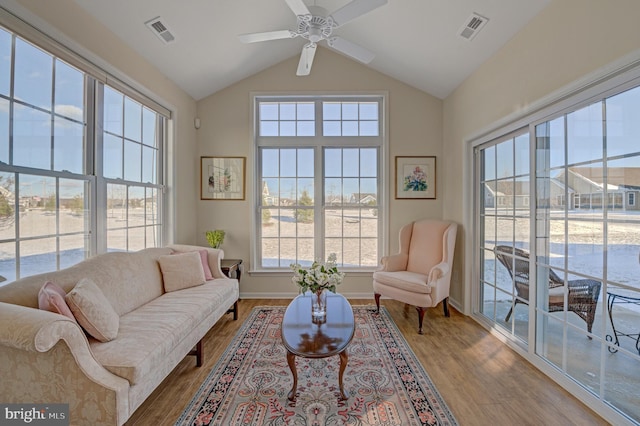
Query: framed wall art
column 222, row 178
column 415, row 177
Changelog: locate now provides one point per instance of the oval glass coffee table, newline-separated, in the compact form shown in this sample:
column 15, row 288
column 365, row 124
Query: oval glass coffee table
column 306, row 337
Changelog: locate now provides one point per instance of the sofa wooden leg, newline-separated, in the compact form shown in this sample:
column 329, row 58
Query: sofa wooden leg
column 445, row 305
column 421, row 311
column 198, row 352
column 234, row 310
column 377, row 297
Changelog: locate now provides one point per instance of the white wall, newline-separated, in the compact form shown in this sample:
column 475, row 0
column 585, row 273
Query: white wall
column 415, row 128
column 74, row 26
column 566, row 41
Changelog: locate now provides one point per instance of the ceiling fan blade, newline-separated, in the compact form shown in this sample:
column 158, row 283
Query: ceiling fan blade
column 355, row 9
column 306, row 59
column 298, row 7
column 351, row 49
column 266, row 36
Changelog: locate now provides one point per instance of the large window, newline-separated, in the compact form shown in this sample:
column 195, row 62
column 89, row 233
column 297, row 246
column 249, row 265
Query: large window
column 130, row 167
column 559, row 275
column 66, row 191
column 320, row 165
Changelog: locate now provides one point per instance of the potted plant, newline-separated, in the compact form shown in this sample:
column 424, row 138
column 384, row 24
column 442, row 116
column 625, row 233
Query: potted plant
column 215, row 238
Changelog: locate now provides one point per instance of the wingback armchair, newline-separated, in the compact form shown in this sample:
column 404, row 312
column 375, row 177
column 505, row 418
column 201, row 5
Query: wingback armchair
column 420, row 275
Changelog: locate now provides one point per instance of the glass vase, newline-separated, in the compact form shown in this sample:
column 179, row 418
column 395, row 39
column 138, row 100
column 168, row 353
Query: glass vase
column 319, row 305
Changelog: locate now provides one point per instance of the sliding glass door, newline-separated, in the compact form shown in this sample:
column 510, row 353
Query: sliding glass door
column 558, row 243
column 504, row 207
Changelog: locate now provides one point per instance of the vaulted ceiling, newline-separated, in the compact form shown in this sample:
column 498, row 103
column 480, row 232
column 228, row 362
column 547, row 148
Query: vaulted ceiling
column 415, row 41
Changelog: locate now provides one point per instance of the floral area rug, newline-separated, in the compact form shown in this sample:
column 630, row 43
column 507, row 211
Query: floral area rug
column 386, row 383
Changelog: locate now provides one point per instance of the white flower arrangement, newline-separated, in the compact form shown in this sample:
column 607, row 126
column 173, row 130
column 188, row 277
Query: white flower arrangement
column 320, row 276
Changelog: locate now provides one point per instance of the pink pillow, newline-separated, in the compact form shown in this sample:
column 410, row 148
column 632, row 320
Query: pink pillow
column 51, row 298
column 204, row 256
column 204, row 259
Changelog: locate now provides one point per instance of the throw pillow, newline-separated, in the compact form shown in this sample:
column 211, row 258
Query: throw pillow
column 181, row 270
column 204, row 257
column 93, row 311
column 51, row 298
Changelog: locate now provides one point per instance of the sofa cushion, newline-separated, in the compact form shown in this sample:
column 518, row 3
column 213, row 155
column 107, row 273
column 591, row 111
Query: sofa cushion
column 93, row 311
column 51, row 298
column 140, row 348
column 181, row 270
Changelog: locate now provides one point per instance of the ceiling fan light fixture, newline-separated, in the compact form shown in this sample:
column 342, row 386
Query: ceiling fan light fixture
column 316, row 24
column 315, row 35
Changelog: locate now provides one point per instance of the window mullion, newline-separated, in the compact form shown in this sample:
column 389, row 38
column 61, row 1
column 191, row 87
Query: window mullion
column 99, row 203
column 318, row 202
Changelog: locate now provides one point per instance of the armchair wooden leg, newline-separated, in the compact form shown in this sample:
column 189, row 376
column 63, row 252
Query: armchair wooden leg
column 420, row 318
column 377, row 297
column 445, row 305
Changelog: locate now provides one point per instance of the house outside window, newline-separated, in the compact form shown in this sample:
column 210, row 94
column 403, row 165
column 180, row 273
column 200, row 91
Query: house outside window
column 319, row 163
column 631, row 199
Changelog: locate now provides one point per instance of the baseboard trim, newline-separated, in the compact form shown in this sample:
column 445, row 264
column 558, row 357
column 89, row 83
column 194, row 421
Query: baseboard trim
column 457, row 306
column 291, row 295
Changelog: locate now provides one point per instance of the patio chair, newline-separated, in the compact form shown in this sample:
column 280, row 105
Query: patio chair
column 583, row 293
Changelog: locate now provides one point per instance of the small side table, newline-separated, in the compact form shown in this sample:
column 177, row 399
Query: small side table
column 623, row 296
column 231, row 268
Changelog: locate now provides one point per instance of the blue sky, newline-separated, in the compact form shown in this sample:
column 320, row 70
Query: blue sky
column 584, row 131
column 47, row 83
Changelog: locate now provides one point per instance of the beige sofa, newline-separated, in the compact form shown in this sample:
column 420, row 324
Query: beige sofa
column 47, row 358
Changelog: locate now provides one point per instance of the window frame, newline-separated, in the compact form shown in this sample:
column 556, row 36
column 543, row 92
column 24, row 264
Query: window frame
column 94, row 191
column 287, row 142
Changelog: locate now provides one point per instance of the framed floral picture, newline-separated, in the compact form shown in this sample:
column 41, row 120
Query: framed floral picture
column 415, row 177
column 222, row 178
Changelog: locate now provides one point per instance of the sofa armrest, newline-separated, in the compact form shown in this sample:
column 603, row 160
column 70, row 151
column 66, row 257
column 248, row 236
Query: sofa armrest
column 45, row 358
column 215, row 256
column 395, row 262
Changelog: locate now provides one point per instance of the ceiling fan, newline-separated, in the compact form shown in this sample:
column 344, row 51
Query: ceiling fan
column 315, row 24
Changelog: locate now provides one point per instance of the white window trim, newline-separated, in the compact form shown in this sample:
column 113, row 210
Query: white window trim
column 256, row 190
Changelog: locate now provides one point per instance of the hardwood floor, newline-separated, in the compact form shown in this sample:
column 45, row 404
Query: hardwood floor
column 482, row 381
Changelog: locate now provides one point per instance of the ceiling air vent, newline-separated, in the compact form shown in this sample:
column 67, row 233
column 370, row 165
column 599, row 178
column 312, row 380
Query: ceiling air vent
column 472, row 26
column 158, row 28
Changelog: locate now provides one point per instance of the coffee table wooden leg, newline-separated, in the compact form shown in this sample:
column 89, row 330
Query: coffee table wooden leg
column 344, row 359
column 291, row 360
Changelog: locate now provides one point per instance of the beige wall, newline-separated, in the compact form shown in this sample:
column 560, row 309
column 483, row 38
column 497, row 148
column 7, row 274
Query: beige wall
column 566, row 41
column 67, row 18
column 415, row 128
